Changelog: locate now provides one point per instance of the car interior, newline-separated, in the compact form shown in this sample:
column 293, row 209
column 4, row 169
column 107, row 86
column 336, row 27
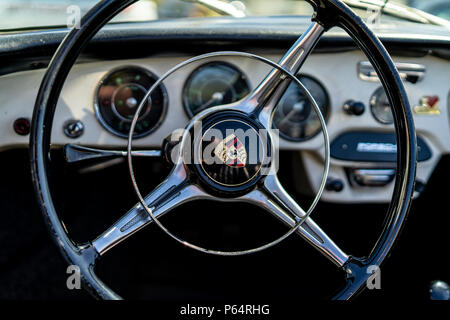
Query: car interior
column 216, row 151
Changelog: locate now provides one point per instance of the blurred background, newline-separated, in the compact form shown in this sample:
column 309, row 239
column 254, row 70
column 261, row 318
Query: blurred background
column 19, row 14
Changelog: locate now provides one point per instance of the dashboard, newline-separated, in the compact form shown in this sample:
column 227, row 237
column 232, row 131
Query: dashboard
column 101, row 96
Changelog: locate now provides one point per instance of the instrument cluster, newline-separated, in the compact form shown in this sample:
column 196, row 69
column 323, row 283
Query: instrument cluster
column 215, row 83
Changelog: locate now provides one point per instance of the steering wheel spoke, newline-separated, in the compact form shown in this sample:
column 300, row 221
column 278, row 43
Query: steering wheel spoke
column 274, row 198
column 76, row 153
column 265, row 97
column 171, row 193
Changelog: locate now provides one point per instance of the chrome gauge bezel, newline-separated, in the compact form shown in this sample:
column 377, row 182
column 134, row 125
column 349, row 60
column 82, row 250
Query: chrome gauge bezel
column 374, row 98
column 325, row 116
column 193, row 72
column 106, row 125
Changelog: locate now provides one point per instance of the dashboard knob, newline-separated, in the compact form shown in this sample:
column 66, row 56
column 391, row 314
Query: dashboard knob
column 22, row 126
column 439, row 290
column 355, row 108
column 73, row 128
column 335, row 185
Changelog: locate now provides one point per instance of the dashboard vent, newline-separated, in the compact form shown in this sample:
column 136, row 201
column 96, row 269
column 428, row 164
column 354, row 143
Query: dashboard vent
column 410, row 72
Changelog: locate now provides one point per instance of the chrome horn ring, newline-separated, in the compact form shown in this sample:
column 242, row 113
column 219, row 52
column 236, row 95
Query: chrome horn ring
column 239, row 106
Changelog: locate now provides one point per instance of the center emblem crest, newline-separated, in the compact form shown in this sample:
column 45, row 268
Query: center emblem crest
column 231, row 152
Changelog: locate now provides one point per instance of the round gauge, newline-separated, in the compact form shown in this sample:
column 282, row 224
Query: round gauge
column 380, row 107
column 295, row 116
column 213, row 84
column 118, row 97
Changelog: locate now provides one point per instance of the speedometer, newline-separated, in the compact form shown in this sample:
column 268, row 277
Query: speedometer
column 118, row 97
column 295, row 116
column 212, row 84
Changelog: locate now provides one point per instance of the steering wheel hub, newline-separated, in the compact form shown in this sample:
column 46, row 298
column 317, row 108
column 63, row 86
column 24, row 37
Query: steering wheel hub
column 231, row 151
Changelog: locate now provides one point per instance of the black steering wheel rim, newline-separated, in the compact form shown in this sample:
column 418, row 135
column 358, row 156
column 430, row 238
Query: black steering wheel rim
column 328, row 13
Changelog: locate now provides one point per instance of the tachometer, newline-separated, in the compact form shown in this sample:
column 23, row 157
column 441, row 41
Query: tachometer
column 295, row 116
column 118, row 97
column 213, row 84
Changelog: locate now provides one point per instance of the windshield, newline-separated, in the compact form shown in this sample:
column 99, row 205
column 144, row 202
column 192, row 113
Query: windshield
column 18, row 14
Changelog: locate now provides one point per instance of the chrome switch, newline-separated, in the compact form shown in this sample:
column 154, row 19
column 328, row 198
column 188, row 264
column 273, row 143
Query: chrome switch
column 372, row 177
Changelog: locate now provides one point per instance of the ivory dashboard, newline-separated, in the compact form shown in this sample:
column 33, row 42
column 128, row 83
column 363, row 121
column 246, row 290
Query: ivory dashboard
column 100, row 98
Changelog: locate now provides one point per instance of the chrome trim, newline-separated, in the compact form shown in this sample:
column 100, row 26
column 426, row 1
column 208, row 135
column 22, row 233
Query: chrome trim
column 372, row 177
column 411, row 72
column 309, row 230
column 76, row 153
column 373, row 102
column 171, row 193
column 283, row 207
column 102, row 121
column 73, row 128
column 268, row 93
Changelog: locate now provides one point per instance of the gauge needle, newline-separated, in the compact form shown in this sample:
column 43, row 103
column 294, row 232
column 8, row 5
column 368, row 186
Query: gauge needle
column 216, row 97
column 297, row 107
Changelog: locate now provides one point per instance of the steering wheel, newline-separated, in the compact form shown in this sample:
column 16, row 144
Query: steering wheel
column 192, row 179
